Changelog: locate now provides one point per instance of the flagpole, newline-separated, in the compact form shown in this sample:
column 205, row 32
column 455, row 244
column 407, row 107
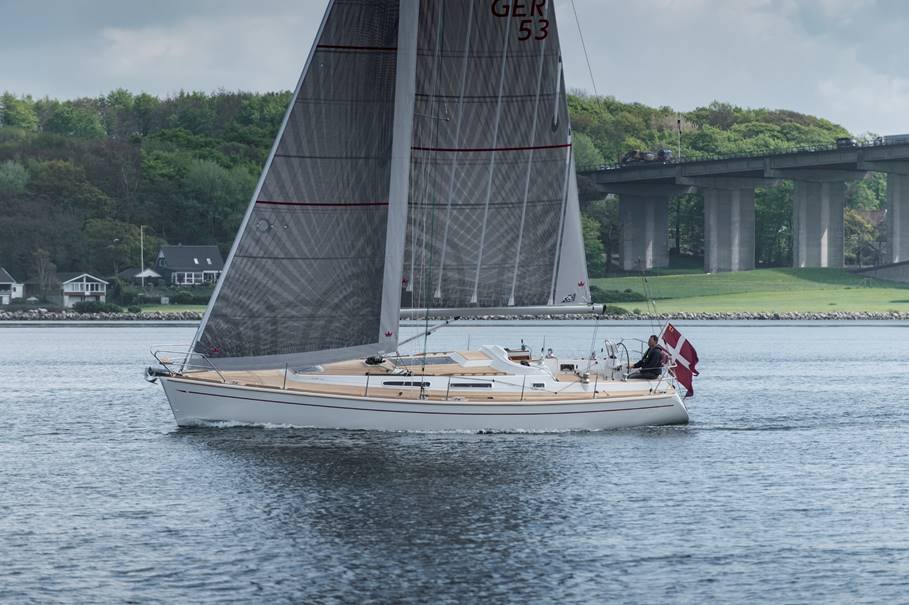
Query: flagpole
column 678, row 119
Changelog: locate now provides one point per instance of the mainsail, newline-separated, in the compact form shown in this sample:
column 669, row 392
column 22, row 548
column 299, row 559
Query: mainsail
column 425, row 160
column 494, row 218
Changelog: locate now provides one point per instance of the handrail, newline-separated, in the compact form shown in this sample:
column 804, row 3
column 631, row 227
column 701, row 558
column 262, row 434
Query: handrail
column 186, row 363
column 665, row 374
column 190, row 361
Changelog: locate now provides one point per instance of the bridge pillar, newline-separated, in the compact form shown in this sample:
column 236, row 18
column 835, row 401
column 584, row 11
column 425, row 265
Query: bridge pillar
column 645, row 221
column 897, row 217
column 728, row 229
column 817, row 224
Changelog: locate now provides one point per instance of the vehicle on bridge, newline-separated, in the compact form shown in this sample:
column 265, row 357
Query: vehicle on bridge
column 846, row 143
column 892, row 139
column 663, row 156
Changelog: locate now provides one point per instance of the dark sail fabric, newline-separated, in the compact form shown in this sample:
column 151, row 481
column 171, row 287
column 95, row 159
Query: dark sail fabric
column 306, row 272
column 425, row 161
column 493, row 218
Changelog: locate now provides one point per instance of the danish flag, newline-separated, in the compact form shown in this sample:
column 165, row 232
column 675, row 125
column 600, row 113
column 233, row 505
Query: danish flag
column 682, row 356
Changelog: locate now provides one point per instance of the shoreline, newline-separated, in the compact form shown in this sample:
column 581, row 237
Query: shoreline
column 193, row 316
column 39, row 315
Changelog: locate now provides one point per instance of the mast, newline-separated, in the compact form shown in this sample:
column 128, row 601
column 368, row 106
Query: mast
column 399, row 186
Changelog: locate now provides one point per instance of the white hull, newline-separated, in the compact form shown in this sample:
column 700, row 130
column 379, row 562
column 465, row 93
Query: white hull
column 196, row 402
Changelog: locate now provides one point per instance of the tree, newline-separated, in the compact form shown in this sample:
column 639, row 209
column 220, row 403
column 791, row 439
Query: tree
column 17, row 113
column 593, row 245
column 869, row 193
column 117, row 114
column 114, row 245
column 605, row 212
column 862, row 238
column 64, row 186
column 214, row 194
column 13, row 179
column 44, row 271
column 145, row 107
column 719, row 115
column 193, row 112
column 773, row 225
column 586, row 155
column 74, row 121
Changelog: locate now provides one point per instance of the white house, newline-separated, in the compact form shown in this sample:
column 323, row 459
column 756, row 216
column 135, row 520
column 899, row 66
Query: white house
column 82, row 287
column 190, row 265
column 10, row 289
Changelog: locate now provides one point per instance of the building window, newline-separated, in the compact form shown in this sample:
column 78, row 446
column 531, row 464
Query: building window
column 187, row 278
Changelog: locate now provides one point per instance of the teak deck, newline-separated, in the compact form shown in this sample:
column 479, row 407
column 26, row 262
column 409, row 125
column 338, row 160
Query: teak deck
column 279, row 379
column 277, row 382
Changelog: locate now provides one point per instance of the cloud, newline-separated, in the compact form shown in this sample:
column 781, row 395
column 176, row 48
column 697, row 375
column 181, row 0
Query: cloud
column 207, row 46
column 822, row 57
column 883, row 98
column 840, row 59
column 263, row 52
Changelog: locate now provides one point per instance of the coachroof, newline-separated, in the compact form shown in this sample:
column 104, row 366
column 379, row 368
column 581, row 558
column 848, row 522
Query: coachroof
column 191, row 258
column 6, row 278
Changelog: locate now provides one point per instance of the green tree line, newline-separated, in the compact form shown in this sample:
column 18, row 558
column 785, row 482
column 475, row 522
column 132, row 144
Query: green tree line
column 78, row 177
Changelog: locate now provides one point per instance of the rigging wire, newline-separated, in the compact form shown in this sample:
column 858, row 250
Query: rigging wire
column 577, row 20
column 651, row 303
column 593, row 343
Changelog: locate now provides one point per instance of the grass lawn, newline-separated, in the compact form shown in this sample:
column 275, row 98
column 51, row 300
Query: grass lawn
column 173, row 308
column 768, row 290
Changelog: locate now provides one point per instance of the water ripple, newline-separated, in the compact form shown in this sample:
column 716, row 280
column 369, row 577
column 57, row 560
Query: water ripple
column 788, row 486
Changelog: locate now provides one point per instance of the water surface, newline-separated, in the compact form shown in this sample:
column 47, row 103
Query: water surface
column 788, row 486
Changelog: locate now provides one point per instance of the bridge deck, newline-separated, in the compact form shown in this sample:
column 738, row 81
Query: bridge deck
column 866, row 158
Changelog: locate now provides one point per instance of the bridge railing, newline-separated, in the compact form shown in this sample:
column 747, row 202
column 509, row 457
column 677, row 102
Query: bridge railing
column 695, row 157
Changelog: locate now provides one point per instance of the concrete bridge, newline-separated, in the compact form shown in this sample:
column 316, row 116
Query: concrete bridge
column 727, row 184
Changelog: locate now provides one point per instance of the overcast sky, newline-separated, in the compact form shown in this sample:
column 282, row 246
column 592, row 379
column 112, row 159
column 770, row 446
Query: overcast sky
column 846, row 60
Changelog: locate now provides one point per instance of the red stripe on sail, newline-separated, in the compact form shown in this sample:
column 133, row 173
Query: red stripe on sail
column 319, row 204
column 378, row 49
column 490, row 149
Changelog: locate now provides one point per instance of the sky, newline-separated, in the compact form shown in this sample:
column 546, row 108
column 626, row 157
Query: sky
column 844, row 60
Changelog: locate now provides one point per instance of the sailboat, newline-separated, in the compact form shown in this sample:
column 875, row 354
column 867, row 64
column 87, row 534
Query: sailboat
column 424, row 168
